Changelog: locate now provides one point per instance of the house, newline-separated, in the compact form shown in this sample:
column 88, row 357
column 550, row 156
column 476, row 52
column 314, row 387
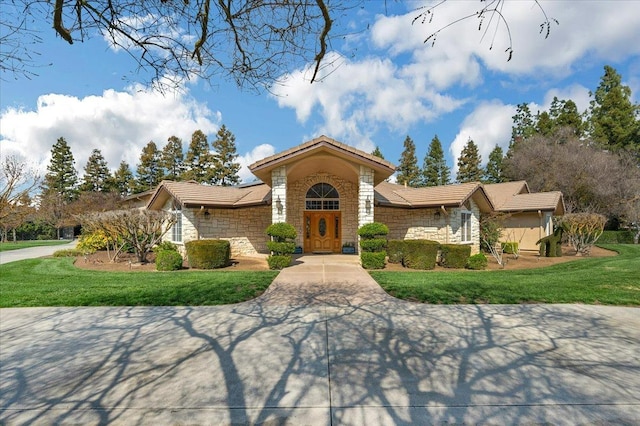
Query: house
column 327, row 190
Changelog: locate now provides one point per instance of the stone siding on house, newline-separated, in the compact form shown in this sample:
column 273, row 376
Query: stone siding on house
column 424, row 224
column 244, row 228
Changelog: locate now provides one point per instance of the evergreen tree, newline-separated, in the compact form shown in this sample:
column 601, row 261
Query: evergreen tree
column 523, row 125
column 613, row 120
column 198, row 160
column 377, row 153
column 123, row 180
column 61, row 179
column 408, row 171
column 97, row 177
column 469, row 164
column 225, row 168
column 435, row 170
column 149, row 172
column 172, row 158
column 494, row 172
column 565, row 114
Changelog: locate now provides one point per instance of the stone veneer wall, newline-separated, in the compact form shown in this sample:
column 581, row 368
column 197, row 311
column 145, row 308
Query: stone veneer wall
column 414, row 224
column 244, row 228
column 348, row 191
column 365, row 193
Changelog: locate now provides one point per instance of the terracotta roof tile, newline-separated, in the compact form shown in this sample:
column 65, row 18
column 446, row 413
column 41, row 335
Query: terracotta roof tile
column 433, row 196
column 192, row 193
column 500, row 193
column 534, row 201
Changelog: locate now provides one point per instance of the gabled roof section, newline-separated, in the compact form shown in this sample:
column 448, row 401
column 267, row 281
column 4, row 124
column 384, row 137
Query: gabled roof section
column 500, row 193
column 323, row 144
column 193, row 194
column 543, row 201
column 389, row 194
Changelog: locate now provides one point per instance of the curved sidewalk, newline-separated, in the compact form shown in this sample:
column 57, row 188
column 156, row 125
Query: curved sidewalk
column 323, row 346
column 33, row 252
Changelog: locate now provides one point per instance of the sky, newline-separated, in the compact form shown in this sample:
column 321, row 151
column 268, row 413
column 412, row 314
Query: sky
column 380, row 85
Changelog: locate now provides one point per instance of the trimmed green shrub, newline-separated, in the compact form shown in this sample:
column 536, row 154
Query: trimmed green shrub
column 454, row 255
column 510, row 247
column 208, row 254
column 616, row 237
column 551, row 246
column 281, row 232
column 373, row 245
column 68, row 253
column 420, row 254
column 278, row 261
column 281, row 246
column 373, row 230
column 168, row 260
column 372, row 260
column 165, row 245
column 395, row 251
column 477, row 262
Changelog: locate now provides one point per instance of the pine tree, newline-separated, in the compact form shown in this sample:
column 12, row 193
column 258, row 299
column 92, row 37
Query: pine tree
column 61, row 179
column 123, row 180
column 97, row 177
column 172, row 158
column 225, row 168
column 494, row 171
column 377, row 153
column 435, row 170
column 613, row 119
column 198, row 160
column 469, row 164
column 149, row 172
column 408, row 171
column 523, row 126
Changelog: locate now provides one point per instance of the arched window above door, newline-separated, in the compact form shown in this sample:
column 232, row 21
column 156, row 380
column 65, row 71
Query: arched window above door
column 322, row 196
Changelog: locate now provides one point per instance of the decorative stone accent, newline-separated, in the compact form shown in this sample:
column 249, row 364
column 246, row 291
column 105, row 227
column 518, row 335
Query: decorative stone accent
column 365, row 196
column 279, row 194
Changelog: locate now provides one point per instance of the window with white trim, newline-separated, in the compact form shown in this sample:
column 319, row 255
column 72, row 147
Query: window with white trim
column 465, row 227
column 176, row 229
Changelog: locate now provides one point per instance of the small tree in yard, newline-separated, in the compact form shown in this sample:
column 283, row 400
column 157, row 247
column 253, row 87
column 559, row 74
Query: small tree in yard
column 140, row 229
column 491, row 227
column 583, row 230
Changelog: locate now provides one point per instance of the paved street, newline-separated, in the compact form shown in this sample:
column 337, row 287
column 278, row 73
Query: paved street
column 33, row 252
column 323, row 346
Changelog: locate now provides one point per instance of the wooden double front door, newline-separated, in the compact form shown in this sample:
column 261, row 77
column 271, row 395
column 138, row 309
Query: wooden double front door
column 322, row 231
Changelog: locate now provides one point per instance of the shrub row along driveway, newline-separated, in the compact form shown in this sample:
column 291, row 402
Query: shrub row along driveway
column 324, row 345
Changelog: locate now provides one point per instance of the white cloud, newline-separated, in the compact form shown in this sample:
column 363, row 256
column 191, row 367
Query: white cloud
column 488, row 125
column 117, row 123
column 257, row 153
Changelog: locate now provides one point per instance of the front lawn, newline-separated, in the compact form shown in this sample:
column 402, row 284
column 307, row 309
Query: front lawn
column 604, row 280
column 10, row 245
column 56, row 282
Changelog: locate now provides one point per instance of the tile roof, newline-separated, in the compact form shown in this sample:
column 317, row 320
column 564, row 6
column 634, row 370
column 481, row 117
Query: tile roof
column 500, row 193
column 535, row 201
column 194, row 194
column 432, row 196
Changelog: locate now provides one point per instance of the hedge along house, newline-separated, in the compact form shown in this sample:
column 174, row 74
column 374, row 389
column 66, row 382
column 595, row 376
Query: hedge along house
column 326, row 190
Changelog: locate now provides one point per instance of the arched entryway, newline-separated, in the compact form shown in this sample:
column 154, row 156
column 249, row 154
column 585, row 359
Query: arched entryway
column 322, row 220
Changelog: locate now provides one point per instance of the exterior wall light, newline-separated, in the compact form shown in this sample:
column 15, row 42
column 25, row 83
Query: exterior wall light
column 279, row 205
column 367, row 204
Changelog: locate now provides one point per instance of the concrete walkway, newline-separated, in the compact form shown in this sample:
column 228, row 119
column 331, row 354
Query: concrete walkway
column 33, row 252
column 324, row 345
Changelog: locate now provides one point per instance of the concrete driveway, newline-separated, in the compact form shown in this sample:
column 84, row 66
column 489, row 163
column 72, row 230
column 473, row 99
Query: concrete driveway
column 324, row 345
column 33, row 252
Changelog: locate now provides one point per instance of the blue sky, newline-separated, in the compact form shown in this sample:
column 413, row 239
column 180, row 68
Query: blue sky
column 382, row 84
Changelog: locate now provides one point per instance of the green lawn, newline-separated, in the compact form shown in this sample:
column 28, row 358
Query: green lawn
column 32, row 243
column 604, row 280
column 56, row 282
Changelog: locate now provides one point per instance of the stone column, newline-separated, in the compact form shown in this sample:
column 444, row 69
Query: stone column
column 279, row 195
column 365, row 196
